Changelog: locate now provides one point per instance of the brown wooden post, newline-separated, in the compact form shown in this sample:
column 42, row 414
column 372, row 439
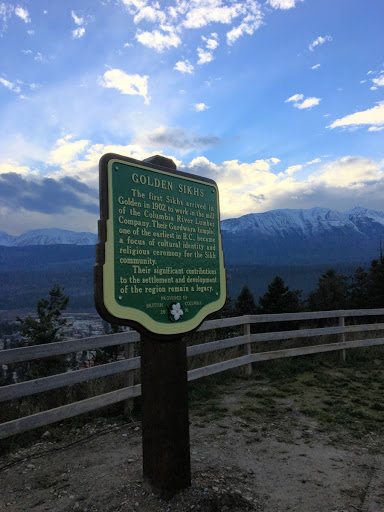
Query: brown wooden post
column 247, row 332
column 129, row 350
column 342, row 339
column 164, row 412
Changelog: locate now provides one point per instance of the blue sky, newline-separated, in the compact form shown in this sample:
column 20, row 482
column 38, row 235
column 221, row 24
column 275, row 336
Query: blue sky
column 280, row 101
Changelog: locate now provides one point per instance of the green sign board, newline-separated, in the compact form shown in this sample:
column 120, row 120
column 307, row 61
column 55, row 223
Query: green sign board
column 160, row 264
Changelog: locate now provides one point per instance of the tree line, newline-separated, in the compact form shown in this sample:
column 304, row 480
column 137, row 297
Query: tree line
column 363, row 290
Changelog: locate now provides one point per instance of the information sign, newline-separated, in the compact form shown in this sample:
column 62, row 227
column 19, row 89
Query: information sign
column 159, row 264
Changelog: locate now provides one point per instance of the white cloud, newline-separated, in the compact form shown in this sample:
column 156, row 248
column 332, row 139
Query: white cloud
column 184, row 67
column 292, row 169
column 134, row 5
column 319, row 41
column 212, row 42
column 315, row 161
column 251, row 22
column 375, row 128
column 39, row 57
column 66, row 151
column 378, row 81
column 200, row 107
column 283, row 4
column 126, row 84
column 211, row 11
column 373, row 116
column 295, row 98
column 10, row 85
column 6, row 11
column 316, row 66
column 7, row 167
column 308, row 103
column 252, row 187
column 159, row 41
column 77, row 19
column 151, row 14
column 30, row 32
column 23, row 14
column 301, row 103
column 204, row 56
column 78, row 33
column 348, row 171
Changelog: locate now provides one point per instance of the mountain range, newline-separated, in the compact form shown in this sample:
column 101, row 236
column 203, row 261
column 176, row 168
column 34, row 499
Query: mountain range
column 286, row 236
column 298, row 245
column 51, row 236
column 302, row 237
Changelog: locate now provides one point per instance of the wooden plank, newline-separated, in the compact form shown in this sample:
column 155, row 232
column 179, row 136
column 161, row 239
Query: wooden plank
column 315, row 349
column 197, row 373
column 16, row 355
column 129, row 352
column 248, row 347
column 31, row 387
column 342, row 338
column 278, row 354
column 306, row 333
column 220, row 323
column 212, row 346
column 313, row 315
column 66, row 411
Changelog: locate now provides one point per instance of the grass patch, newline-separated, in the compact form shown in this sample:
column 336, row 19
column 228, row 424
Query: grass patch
column 333, row 393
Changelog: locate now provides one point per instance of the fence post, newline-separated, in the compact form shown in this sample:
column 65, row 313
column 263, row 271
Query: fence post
column 342, row 339
column 129, row 352
column 248, row 350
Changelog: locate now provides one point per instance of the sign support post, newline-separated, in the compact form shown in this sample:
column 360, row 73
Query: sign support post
column 164, row 412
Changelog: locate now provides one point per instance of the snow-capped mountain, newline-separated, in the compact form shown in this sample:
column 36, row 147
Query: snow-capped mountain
column 316, row 235
column 52, row 236
column 307, row 223
column 291, row 237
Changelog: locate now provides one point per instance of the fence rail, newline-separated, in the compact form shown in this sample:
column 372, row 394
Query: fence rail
column 128, row 365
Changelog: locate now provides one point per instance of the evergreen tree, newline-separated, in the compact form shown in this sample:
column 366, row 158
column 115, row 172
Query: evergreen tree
column 108, row 354
column 358, row 297
column 245, row 303
column 46, row 328
column 375, row 284
column 331, row 292
column 279, row 299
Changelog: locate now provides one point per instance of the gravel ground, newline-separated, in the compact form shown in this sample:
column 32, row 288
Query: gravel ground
column 284, row 462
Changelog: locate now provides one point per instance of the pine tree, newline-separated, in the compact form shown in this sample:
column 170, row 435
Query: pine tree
column 245, row 303
column 375, row 285
column 331, row 293
column 46, row 328
column 279, row 299
column 108, row 354
column 358, row 297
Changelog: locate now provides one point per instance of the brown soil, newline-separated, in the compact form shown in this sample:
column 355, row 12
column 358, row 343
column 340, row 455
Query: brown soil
column 267, row 463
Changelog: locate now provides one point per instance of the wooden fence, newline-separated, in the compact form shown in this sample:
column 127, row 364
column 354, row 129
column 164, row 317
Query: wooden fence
column 129, row 364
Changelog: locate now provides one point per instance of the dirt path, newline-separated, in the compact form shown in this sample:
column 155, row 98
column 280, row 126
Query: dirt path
column 264, row 462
